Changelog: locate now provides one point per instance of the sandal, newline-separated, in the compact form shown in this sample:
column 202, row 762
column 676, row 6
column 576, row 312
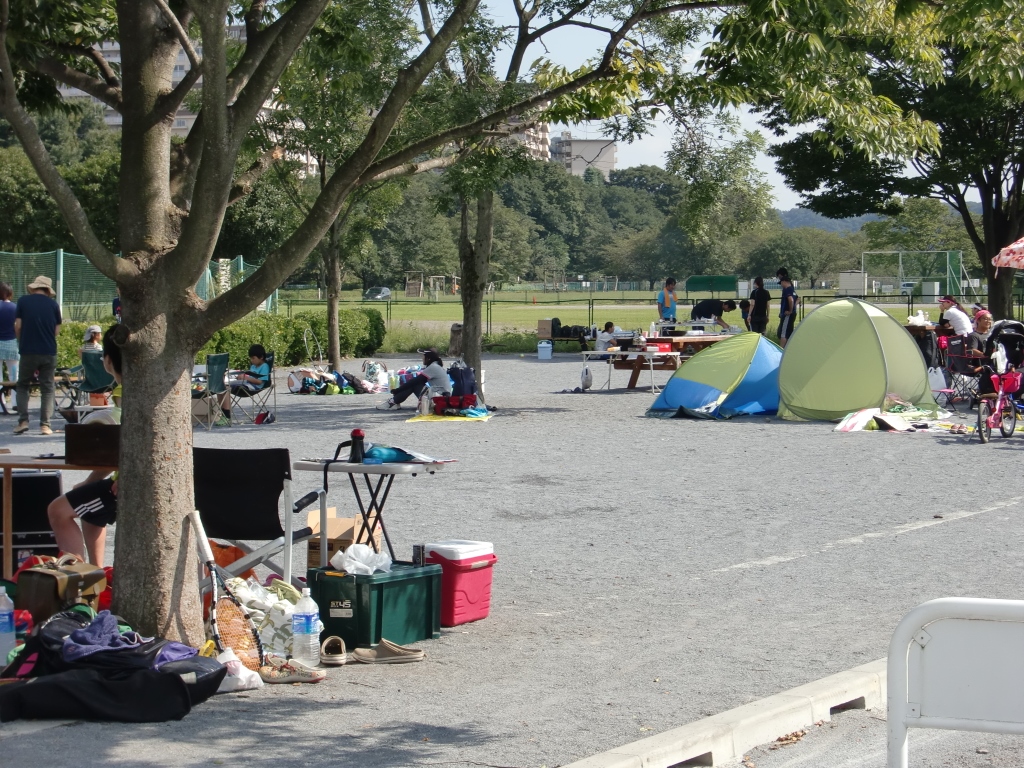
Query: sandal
column 332, row 652
column 278, row 670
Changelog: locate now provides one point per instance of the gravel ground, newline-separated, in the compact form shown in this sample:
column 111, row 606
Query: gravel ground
column 651, row 572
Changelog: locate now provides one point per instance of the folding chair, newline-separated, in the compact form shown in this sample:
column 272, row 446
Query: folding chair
column 208, row 402
column 962, row 378
column 237, row 494
column 95, row 378
column 254, row 402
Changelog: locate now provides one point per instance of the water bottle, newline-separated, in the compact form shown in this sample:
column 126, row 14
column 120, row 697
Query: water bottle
column 426, row 402
column 653, row 331
column 7, row 641
column 392, row 381
column 306, row 631
column 356, row 455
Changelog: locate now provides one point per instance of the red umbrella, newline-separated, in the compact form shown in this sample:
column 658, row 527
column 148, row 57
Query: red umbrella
column 1011, row 256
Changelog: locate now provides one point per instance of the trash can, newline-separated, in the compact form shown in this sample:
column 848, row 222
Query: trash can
column 543, row 350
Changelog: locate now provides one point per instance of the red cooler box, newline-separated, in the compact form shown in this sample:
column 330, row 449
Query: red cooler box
column 465, row 579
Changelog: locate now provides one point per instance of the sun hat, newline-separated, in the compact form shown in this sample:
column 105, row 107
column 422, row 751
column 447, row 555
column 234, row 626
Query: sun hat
column 90, row 331
column 42, row 282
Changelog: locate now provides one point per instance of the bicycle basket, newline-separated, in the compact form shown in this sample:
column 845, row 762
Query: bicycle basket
column 1011, row 382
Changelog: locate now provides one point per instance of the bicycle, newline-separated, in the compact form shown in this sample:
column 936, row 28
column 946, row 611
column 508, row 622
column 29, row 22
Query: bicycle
column 999, row 407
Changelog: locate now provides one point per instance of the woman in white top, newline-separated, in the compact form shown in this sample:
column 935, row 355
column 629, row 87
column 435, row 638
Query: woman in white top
column 433, row 374
column 955, row 315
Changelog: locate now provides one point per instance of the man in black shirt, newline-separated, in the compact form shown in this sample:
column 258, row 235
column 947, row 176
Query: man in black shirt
column 713, row 308
column 759, row 311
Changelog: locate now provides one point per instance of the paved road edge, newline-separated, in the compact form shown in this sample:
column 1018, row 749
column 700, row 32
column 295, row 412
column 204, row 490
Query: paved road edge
column 726, row 737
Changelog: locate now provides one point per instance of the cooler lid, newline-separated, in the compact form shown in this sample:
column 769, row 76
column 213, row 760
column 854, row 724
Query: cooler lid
column 460, row 549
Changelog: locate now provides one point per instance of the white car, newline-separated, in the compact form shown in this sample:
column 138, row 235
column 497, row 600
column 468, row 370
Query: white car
column 907, row 289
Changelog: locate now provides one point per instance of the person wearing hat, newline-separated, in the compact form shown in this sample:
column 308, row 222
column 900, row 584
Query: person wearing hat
column 37, row 323
column 954, row 314
column 92, row 341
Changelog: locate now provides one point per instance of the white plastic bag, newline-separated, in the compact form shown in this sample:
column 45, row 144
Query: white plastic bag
column 361, row 560
column 586, row 378
column 936, row 379
column 239, row 676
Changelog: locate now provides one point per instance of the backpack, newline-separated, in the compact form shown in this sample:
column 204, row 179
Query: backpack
column 556, row 328
column 586, row 378
column 463, row 380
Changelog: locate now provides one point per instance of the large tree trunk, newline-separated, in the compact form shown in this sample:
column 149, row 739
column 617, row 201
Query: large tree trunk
column 475, row 262
column 155, row 545
column 1000, row 291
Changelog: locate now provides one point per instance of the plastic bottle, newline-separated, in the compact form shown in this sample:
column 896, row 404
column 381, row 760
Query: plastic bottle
column 7, row 641
column 356, row 455
column 305, row 631
column 653, row 331
column 392, row 381
column 426, row 406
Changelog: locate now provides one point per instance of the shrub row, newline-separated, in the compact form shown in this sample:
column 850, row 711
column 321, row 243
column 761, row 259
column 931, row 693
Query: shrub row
column 361, row 333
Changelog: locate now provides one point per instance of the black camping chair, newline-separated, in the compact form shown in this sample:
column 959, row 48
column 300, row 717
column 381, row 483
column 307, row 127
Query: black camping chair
column 962, row 378
column 237, row 494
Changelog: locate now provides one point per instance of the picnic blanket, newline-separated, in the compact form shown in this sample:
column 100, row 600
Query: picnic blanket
column 433, row 417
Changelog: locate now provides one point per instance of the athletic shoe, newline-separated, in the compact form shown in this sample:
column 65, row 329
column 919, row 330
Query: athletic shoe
column 278, row 670
column 332, row 652
column 223, row 421
column 22, row 428
column 388, row 405
column 45, row 430
column 388, row 653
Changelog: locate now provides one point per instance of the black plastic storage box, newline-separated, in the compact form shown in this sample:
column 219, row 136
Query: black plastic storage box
column 403, row 606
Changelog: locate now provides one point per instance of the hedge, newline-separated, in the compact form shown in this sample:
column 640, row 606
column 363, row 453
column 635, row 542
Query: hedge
column 361, row 333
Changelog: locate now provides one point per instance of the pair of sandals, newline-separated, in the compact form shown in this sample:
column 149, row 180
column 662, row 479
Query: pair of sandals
column 958, row 429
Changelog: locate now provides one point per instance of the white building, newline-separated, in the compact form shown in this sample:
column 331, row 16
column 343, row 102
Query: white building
column 576, row 155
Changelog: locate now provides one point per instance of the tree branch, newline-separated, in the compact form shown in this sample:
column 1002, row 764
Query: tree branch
column 109, row 75
column 252, row 19
column 180, row 33
column 168, row 104
column 62, row 73
column 694, row 6
column 243, row 184
column 411, row 169
column 68, row 205
column 278, row 265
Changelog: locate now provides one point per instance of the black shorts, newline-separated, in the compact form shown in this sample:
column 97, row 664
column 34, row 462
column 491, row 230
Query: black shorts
column 759, row 326
column 786, row 326
column 94, row 503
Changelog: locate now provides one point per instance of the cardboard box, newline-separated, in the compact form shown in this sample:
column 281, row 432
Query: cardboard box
column 341, row 533
column 543, row 329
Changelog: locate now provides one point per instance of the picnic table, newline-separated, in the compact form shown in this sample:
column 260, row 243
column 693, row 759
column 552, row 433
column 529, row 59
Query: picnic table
column 688, row 346
column 635, row 361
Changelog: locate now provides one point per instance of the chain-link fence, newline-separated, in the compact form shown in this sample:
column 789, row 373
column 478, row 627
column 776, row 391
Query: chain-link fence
column 84, row 293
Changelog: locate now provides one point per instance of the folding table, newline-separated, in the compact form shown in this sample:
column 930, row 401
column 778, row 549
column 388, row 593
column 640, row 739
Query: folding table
column 372, row 509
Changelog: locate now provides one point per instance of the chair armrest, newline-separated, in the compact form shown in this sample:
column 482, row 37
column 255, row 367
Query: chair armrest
column 306, row 501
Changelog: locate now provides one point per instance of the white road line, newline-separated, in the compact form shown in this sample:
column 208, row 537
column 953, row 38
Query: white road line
column 863, row 537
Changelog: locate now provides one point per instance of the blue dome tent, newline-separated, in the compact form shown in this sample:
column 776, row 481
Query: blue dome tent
column 737, row 375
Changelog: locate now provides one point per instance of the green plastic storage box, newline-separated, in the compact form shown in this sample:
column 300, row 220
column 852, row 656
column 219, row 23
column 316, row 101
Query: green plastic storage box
column 403, row 606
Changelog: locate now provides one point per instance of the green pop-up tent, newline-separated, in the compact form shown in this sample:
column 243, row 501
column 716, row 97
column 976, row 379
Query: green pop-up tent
column 847, row 355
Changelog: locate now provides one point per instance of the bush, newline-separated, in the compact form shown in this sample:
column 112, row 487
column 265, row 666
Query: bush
column 69, row 341
column 376, row 331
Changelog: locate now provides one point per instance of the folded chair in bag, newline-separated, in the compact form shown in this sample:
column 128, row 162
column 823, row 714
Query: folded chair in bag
column 237, row 494
column 254, row 402
column 208, row 403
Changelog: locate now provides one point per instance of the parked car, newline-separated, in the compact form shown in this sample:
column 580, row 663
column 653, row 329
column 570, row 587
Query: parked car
column 377, row 294
column 907, row 289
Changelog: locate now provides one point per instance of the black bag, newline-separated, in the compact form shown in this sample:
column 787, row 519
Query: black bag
column 463, row 380
column 556, row 328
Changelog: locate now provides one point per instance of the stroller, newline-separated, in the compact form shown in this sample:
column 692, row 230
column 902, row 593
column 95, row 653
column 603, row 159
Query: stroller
column 1005, row 346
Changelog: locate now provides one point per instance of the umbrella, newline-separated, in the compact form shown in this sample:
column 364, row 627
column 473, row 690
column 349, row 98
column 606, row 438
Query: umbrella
column 1011, row 256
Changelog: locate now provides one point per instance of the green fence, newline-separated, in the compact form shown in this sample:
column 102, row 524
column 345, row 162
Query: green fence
column 84, row 293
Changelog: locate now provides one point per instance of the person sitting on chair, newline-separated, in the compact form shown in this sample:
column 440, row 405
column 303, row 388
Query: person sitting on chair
column 433, row 373
column 605, row 339
column 246, row 383
column 94, row 500
column 91, row 341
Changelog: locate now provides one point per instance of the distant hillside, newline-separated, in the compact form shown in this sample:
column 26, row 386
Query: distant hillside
column 800, row 217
